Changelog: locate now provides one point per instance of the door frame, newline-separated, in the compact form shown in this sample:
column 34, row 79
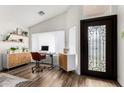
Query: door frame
column 114, row 44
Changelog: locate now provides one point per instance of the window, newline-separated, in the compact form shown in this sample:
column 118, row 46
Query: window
column 55, row 40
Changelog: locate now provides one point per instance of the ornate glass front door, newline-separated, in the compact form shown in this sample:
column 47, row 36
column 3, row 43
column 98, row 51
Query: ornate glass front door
column 96, row 48
column 99, row 47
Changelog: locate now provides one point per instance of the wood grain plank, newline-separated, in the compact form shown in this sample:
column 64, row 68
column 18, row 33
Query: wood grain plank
column 58, row 78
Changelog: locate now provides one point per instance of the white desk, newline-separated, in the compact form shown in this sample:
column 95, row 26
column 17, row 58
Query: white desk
column 51, row 55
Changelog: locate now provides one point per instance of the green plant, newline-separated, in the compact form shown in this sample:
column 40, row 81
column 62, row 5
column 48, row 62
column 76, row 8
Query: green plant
column 13, row 48
column 7, row 37
column 23, row 49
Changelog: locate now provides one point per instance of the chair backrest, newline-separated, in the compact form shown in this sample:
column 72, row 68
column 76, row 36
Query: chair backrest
column 37, row 56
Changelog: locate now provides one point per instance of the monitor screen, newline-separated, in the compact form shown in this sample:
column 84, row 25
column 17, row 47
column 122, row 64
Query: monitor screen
column 44, row 48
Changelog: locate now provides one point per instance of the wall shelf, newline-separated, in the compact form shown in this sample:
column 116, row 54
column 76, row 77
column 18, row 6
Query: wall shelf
column 19, row 35
column 11, row 41
column 15, row 38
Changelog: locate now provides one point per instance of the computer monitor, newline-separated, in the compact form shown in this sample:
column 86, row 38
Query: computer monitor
column 44, row 48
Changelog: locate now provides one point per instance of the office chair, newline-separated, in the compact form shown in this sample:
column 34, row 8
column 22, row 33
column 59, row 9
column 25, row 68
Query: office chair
column 37, row 57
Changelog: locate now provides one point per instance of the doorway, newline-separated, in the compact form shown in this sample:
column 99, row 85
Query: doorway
column 99, row 47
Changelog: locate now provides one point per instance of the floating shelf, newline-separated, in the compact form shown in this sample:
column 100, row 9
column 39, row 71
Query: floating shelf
column 14, row 38
column 12, row 41
column 19, row 35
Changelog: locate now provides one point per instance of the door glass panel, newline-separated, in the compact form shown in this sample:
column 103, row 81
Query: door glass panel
column 97, row 48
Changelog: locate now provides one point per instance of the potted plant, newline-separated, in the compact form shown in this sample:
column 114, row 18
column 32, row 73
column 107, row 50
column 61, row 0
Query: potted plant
column 7, row 38
column 23, row 49
column 26, row 33
column 13, row 49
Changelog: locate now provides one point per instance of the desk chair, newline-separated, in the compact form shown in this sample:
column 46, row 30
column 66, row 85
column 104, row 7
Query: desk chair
column 37, row 57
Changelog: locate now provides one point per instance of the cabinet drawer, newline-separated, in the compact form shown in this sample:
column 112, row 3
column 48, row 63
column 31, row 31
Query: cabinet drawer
column 13, row 60
column 63, row 61
column 26, row 58
column 60, row 59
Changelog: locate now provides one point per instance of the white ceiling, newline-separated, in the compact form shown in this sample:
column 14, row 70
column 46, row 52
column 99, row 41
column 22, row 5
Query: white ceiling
column 27, row 15
column 94, row 10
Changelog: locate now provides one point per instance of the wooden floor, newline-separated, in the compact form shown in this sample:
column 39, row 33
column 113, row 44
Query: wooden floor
column 58, row 78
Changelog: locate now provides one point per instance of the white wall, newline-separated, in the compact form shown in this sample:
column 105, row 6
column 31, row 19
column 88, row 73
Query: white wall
column 59, row 36
column 74, row 15
column 72, row 40
column 120, row 45
column 35, row 42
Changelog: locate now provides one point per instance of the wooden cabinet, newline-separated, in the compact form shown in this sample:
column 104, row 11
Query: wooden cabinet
column 67, row 61
column 13, row 60
column 63, row 61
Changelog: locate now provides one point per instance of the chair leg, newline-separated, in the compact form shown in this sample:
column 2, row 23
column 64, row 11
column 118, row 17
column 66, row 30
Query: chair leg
column 37, row 67
column 41, row 70
column 32, row 71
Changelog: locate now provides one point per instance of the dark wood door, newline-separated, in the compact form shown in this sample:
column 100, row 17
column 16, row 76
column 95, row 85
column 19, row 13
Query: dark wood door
column 99, row 47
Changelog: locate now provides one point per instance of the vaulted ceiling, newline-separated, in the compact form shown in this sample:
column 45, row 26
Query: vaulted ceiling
column 27, row 15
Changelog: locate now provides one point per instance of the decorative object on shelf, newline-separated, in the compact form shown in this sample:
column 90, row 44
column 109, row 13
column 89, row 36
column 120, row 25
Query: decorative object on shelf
column 16, row 36
column 24, row 33
column 19, row 31
column 15, row 32
column 7, row 37
column 66, row 50
column 24, row 49
column 10, row 38
column 20, row 40
column 13, row 49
